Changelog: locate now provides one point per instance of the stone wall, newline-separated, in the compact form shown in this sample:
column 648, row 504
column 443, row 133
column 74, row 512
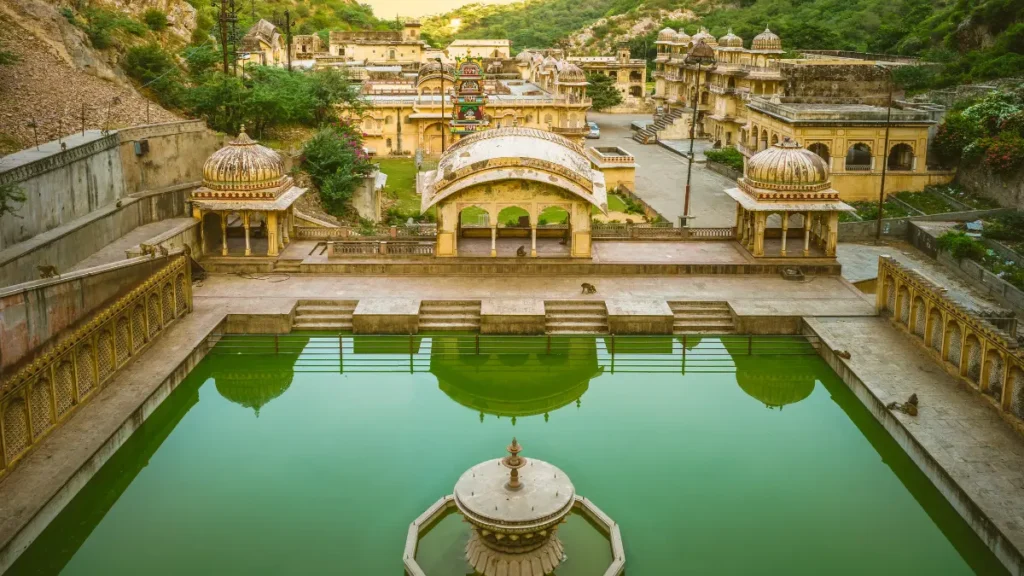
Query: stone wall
column 1007, row 191
column 859, row 82
column 176, row 153
column 33, row 314
column 61, row 187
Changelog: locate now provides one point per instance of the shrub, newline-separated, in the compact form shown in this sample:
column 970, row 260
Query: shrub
column 10, row 194
column 730, row 156
column 602, row 91
column 961, row 246
column 155, row 19
column 1004, row 154
column 155, row 69
column 954, row 136
column 336, row 163
column 1008, row 227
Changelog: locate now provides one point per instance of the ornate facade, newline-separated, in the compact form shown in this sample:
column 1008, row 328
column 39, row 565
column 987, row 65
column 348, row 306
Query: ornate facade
column 630, row 75
column 245, row 187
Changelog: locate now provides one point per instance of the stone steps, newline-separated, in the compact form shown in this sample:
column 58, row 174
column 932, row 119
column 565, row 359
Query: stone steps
column 575, row 317
column 289, row 266
column 702, row 318
column 449, row 316
column 324, row 315
column 649, row 134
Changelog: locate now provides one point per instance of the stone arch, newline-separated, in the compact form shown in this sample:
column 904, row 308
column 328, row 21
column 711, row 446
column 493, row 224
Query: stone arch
column 953, row 342
column 86, row 370
column 180, row 305
column 475, row 215
column 920, row 316
column 16, row 428
column 775, row 139
column 1017, row 386
column 154, row 314
column 901, row 157
column 39, row 407
column 63, row 387
column 514, row 217
column 167, row 297
column 122, row 341
column 764, row 139
column 890, row 295
column 635, row 91
column 821, row 149
column 858, row 157
column 138, row 327
column 388, row 120
column 973, row 369
column 211, row 233
column 553, row 214
column 903, row 299
column 105, row 355
column 995, row 370
column 936, row 334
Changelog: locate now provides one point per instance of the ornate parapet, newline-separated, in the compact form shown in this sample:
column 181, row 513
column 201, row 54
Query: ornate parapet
column 59, row 160
column 41, row 395
column 966, row 345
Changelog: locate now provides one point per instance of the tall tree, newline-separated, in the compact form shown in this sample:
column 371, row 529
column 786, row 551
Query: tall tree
column 602, row 91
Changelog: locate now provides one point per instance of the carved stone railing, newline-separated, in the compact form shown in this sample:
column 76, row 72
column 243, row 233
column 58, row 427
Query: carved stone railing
column 424, row 231
column 43, row 394
column 965, row 344
column 379, row 248
column 662, row 231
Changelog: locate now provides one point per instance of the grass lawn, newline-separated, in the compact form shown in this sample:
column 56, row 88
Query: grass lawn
column 401, row 182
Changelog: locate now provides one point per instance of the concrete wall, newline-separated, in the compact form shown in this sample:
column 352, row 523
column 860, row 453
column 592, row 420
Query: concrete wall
column 1007, row 191
column 858, row 231
column 830, row 82
column 34, row 313
column 62, row 187
column 177, row 151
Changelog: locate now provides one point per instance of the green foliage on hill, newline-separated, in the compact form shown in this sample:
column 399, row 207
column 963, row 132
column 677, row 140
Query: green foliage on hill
column 988, row 132
column 336, row 163
column 974, row 39
column 603, row 92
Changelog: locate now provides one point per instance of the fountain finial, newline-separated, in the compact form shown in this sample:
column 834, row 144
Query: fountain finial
column 513, row 462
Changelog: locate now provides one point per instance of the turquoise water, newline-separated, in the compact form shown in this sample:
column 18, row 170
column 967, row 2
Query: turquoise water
column 724, row 464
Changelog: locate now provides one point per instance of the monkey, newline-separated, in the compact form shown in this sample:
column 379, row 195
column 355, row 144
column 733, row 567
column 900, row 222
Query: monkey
column 844, row 354
column 163, row 250
column 912, row 399
column 588, row 288
column 909, row 407
column 148, row 249
column 521, row 251
column 564, row 240
column 63, row 146
column 118, row 204
column 48, row 271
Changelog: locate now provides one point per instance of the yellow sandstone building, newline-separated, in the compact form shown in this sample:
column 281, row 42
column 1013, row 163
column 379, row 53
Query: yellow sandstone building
column 837, row 107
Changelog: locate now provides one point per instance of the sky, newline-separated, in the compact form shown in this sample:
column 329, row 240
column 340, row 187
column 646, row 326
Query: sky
column 420, row 8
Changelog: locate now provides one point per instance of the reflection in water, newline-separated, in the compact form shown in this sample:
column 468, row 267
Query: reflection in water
column 256, row 381
column 514, row 385
column 782, row 382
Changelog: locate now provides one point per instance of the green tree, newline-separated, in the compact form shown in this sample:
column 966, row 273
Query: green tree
column 220, row 100
column 155, row 19
column 155, row 70
column 336, row 163
column 603, row 91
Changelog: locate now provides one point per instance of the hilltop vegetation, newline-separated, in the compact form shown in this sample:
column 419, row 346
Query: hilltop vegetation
column 975, row 40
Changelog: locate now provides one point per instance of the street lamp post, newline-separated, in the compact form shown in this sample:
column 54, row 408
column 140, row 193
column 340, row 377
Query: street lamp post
column 700, row 54
column 885, row 157
column 440, row 63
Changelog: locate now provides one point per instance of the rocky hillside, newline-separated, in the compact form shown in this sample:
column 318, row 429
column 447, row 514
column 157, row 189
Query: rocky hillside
column 57, row 75
column 603, row 36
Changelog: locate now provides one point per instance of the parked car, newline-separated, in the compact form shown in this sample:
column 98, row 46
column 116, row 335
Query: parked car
column 595, row 130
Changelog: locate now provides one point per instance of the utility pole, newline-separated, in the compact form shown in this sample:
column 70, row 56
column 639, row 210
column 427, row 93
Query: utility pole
column 222, row 20
column 288, row 36
column 440, row 63
column 885, row 158
column 234, row 37
column 699, row 54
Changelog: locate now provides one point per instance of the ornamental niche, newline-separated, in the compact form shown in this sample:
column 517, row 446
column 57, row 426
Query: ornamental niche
column 469, row 115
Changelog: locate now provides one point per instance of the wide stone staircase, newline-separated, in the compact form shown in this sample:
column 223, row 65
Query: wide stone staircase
column 450, row 316
column 575, row 317
column 649, row 135
column 701, row 318
column 325, row 315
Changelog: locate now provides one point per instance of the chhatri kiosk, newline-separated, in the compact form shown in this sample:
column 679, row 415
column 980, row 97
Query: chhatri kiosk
column 527, row 169
column 786, row 191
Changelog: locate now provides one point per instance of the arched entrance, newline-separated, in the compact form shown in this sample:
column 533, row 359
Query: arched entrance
column 432, row 139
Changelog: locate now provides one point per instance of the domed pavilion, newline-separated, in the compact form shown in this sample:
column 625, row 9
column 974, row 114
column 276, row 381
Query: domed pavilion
column 245, row 189
column 498, row 182
column 786, row 190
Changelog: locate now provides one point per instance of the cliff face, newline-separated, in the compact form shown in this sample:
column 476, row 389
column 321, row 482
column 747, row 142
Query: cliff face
column 59, row 78
column 181, row 16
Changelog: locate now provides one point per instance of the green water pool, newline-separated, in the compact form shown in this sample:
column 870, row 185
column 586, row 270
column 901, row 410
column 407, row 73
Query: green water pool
column 298, row 459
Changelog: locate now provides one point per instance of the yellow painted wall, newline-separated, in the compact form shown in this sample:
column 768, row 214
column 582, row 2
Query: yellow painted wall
column 615, row 177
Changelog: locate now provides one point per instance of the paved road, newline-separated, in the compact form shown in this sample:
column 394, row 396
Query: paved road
column 661, row 175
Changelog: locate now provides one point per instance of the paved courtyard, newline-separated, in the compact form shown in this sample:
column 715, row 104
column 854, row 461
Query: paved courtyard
column 661, row 175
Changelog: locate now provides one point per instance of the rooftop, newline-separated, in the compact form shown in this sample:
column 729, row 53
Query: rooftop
column 480, row 43
column 818, row 113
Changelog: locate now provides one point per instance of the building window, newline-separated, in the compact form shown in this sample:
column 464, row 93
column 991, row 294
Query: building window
column 901, row 157
column 387, row 119
column 858, row 157
column 389, row 143
column 821, row 150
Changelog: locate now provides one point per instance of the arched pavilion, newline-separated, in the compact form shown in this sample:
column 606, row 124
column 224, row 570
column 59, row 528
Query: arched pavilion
column 791, row 186
column 245, row 184
column 525, row 169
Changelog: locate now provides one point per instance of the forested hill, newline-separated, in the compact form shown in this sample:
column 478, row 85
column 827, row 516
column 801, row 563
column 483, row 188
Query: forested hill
column 977, row 39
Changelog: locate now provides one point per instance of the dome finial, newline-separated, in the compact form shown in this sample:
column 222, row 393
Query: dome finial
column 513, row 462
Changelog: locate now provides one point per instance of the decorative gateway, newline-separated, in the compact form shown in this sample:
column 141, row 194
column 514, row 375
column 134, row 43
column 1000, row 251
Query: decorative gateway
column 469, row 114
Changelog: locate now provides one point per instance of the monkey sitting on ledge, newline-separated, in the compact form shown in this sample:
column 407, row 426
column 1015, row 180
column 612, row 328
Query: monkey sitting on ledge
column 48, row 271
column 908, row 407
column 588, row 288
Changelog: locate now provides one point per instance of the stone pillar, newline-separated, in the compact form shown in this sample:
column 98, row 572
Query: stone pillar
column 280, row 235
column 494, row 241
column 533, row 241
column 807, row 234
column 245, row 223
column 833, row 234
column 202, row 232
column 285, row 224
column 272, row 234
column 760, row 218
column 785, row 231
column 739, row 222
column 223, row 234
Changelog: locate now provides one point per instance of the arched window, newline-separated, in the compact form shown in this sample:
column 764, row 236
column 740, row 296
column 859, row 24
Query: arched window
column 389, row 143
column 635, row 91
column 901, row 157
column 387, row 120
column 635, row 76
column 391, row 54
column 820, row 149
column 775, row 139
column 858, row 157
column 547, row 118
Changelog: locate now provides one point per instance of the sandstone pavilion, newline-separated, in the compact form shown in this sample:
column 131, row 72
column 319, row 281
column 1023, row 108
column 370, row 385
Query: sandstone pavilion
column 245, row 194
column 784, row 188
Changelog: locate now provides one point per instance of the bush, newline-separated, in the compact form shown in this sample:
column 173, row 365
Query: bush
column 156, row 70
column 1004, row 154
column 953, row 136
column 961, row 246
column 336, row 163
column 603, row 92
column 10, row 194
column 730, row 156
column 1008, row 227
column 155, row 19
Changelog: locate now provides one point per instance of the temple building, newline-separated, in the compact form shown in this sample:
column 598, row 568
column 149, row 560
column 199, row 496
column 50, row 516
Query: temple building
column 479, row 49
column 522, row 172
column 262, row 45
column 786, row 192
column 245, row 201
column 376, row 48
column 630, row 76
column 837, row 106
